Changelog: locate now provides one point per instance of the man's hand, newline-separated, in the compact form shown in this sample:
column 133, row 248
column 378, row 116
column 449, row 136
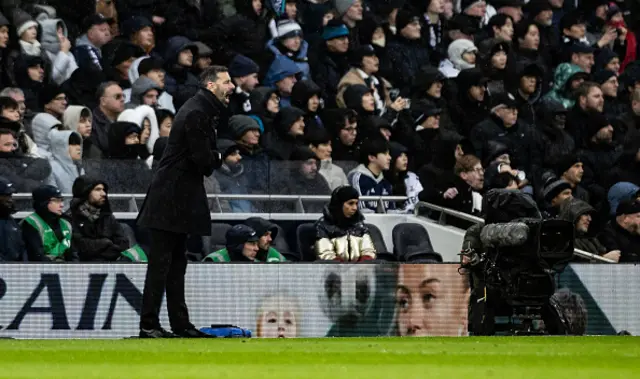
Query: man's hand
column 609, row 36
column 450, row 193
column 399, row 104
column 623, row 33
column 614, row 255
column 65, row 45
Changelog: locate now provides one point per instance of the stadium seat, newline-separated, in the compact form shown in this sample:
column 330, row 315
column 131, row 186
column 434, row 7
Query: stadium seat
column 406, row 235
column 376, row 236
column 129, row 233
column 217, row 239
column 306, row 238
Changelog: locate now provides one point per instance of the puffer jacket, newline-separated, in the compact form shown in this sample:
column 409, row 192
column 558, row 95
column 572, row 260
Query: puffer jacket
column 561, row 91
column 338, row 238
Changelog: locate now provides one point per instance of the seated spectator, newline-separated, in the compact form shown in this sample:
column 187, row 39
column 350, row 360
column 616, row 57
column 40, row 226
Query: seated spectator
column 608, row 81
column 570, row 169
column 56, row 44
column 341, row 234
column 79, row 119
column 53, row 100
column 232, row 177
column 145, row 117
column 585, row 220
column 268, row 232
column 139, row 30
column 368, row 178
column 165, row 121
column 470, row 107
column 623, row 233
column 245, row 132
column 527, row 89
column 149, row 68
column 438, row 176
column 306, row 96
column 461, row 56
column 244, row 73
column 265, row 105
column 178, row 58
column 406, row 52
column 499, row 161
column 25, row 173
column 628, row 167
column 203, row 60
column 144, row 91
column 403, row 182
column 320, row 143
column 554, row 193
column 241, row 246
column 111, row 105
column 117, row 57
column 465, row 193
column 46, row 234
column 493, row 56
column 97, row 235
column 282, row 75
column 289, row 43
column 620, row 192
column 12, row 248
column 10, row 110
column 42, row 124
column 88, row 47
column 342, row 125
column 331, row 61
column 27, row 32
column 589, row 104
column 30, row 76
column 430, row 85
column 287, row 134
column 502, row 180
column 566, row 79
column 66, row 159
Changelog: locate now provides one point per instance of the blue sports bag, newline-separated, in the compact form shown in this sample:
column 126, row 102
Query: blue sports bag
column 227, row 331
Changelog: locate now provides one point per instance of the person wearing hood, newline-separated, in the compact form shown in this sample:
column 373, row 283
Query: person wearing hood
column 66, row 158
column 30, row 77
column 88, row 47
column 144, row 91
column 204, row 60
column 289, row 42
column 47, row 235
column 53, row 101
column 179, row 56
column 148, row 68
column 241, row 246
column 117, row 57
column 570, row 168
column 420, row 131
column 403, row 182
column 41, row 125
column 265, row 105
column 623, row 232
column 13, row 248
column 360, row 98
column 527, row 89
column 306, row 96
column 244, row 73
column 26, row 173
column 319, row 142
column 139, row 30
column 268, row 232
column 555, row 192
column 124, row 138
column 527, row 50
column 10, row 109
column 331, row 60
column 282, row 75
column 470, row 107
column 145, row 117
column 232, row 176
column 368, row 177
column 245, row 132
column 607, row 59
column 341, row 234
column 372, row 33
column 287, row 134
column 97, row 235
column 79, row 119
column 567, row 78
column 58, row 49
column 430, row 85
column 461, row 55
column 406, row 53
column 587, row 228
column 620, row 192
column 493, row 59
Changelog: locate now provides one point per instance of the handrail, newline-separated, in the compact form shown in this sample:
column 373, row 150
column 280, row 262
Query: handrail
column 474, row 219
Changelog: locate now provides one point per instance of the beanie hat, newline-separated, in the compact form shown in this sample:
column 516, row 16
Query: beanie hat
column 240, row 124
column 124, row 52
column 288, row 29
column 553, row 188
column 361, row 52
column 238, row 235
column 226, row 147
column 628, row 207
column 566, row 162
column 23, row 21
column 342, row 6
column 404, row 18
column 48, row 93
column 134, row 24
column 262, row 226
column 242, row 66
column 334, row 29
column 466, row 4
column 602, row 76
column 149, row 64
column 43, row 194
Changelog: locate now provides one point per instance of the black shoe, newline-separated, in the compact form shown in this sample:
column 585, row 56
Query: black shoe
column 156, row 333
column 192, row 333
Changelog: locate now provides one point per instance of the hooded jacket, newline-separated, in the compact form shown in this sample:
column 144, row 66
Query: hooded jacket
column 71, row 118
column 614, row 237
column 41, row 125
column 62, row 64
column 281, row 68
column 258, row 99
column 406, row 57
column 327, row 69
column 262, row 226
column 451, row 67
column 300, row 95
column 562, row 78
column 299, row 58
column 571, row 210
column 26, row 173
column 31, row 88
column 363, row 180
column 233, row 180
column 137, row 115
column 279, row 144
column 467, row 112
column 620, row 192
column 64, row 171
column 139, row 88
column 179, row 81
column 165, row 100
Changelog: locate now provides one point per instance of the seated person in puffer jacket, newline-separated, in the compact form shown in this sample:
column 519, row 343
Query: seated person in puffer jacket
column 241, row 246
column 341, row 234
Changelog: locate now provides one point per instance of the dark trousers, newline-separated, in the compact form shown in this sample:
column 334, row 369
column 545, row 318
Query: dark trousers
column 165, row 271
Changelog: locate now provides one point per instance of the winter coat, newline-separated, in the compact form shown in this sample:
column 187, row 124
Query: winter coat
column 628, row 169
column 137, row 115
column 99, row 130
column 339, row 238
column 517, row 138
column 299, row 58
column 576, row 125
column 257, row 169
column 13, row 248
column 258, row 99
column 101, row 240
column 31, row 88
column 526, row 107
column 64, row 171
column 165, row 100
column 24, row 172
column 292, row 182
column 616, row 238
column 87, row 55
column 80, row 88
column 233, row 181
column 139, row 88
column 571, row 210
column 599, row 161
column 34, row 241
column 619, row 192
column 41, row 125
column 333, row 174
column 327, row 69
column 280, row 68
column 363, row 180
column 279, row 144
column 467, row 112
column 561, row 91
column 406, row 58
column 300, row 95
column 189, row 157
column 355, row 76
column 179, row 81
column 196, row 22
column 525, row 57
column 71, row 118
column 62, row 64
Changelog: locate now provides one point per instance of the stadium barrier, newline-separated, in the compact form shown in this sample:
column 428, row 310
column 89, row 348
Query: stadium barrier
column 295, row 300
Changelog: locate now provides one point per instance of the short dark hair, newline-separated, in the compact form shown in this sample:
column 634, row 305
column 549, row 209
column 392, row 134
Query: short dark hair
column 584, row 88
column 373, row 147
column 8, row 103
column 317, row 136
column 499, row 20
column 85, row 113
column 103, row 87
column 4, row 131
column 210, row 74
column 75, row 139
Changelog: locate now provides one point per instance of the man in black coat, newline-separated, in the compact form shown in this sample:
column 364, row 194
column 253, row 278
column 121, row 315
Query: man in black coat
column 176, row 203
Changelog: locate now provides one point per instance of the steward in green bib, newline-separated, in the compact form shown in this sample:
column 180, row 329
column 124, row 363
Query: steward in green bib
column 268, row 232
column 242, row 246
column 46, row 234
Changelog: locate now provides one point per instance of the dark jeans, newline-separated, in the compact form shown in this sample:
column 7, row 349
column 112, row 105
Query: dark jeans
column 165, row 270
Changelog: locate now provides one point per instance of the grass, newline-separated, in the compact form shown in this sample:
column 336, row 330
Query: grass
column 370, row 358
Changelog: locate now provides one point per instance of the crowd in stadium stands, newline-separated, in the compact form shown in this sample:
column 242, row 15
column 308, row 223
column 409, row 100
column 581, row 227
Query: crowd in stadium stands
column 434, row 100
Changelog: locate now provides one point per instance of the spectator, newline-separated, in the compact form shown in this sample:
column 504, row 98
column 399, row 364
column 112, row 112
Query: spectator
column 306, row 96
column 493, row 58
column 165, row 121
column 629, row 122
column 79, row 119
column 66, row 159
column 350, row 12
column 282, row 75
column 53, row 100
column 144, row 91
column 117, row 58
column 528, row 50
column 471, row 106
column 343, row 126
column 498, row 161
column 623, row 233
column 629, row 163
column 465, row 193
column 620, row 192
column 566, row 80
column 289, row 43
column 241, row 246
column 429, row 85
column 245, row 132
column 145, row 117
column 97, row 235
column 139, row 30
column 12, row 248
column 585, row 220
column 288, row 133
column 268, row 232
column 124, row 137
column 608, row 82
column 55, row 41
column 461, row 55
column 149, row 68
column 203, row 60
column 438, row 176
column 581, row 56
column 88, row 47
column 320, row 143
column 42, row 124
column 265, row 104
column 403, row 182
column 341, row 234
column 570, row 169
column 606, row 59
column 232, row 176
column 6, row 77
column 406, row 53
column 244, row 73
column 25, row 173
column 11, row 111
column 46, row 234
column 111, row 99
column 368, row 178
column 555, row 192
column 501, row 26
column 365, row 65
column 527, row 89
column 30, row 76
column 179, row 81
column 331, row 62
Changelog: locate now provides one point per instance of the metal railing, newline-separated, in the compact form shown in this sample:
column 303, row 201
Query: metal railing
column 444, row 212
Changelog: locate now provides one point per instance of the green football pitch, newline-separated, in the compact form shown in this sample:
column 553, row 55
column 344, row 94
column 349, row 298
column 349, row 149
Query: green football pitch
column 337, row 358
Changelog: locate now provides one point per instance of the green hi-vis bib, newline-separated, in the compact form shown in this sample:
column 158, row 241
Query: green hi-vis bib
column 53, row 248
column 135, row 254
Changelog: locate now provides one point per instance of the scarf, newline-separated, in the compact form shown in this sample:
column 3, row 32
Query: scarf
column 89, row 211
column 30, row 48
column 631, row 42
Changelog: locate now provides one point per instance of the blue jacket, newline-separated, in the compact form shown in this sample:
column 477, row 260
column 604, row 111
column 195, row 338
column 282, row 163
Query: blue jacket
column 620, row 192
column 234, row 181
column 300, row 59
column 280, row 68
column 362, row 179
column 12, row 248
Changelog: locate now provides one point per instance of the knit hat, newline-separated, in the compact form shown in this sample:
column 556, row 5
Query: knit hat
column 48, row 93
column 360, row 52
column 553, row 188
column 226, row 147
column 596, row 122
column 135, row 24
column 334, row 29
column 602, row 76
column 288, row 29
column 396, row 150
column 535, row 7
column 149, row 64
column 240, row 124
column 423, row 109
column 238, row 235
column 262, row 226
column 242, row 66
column 43, row 194
column 404, row 18
column 342, row 6
column 566, row 162
column 466, row 4
column 628, row 207
column 23, row 21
